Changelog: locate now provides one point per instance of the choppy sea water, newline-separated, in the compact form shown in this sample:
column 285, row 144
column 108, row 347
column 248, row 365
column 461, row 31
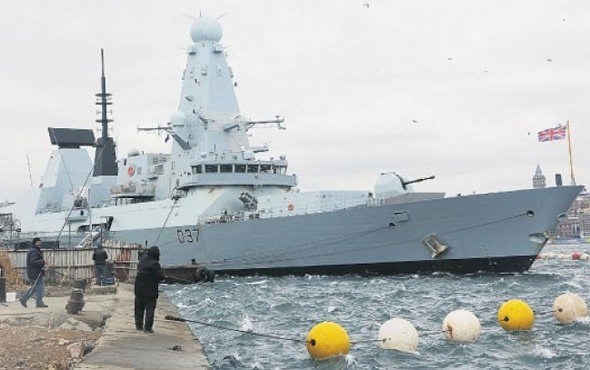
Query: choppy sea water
column 290, row 306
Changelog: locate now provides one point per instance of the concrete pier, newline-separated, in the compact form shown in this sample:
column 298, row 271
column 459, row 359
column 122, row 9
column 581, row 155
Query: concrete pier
column 124, row 347
column 109, row 310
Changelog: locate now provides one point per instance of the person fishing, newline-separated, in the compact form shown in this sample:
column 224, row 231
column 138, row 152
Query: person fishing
column 149, row 274
column 36, row 273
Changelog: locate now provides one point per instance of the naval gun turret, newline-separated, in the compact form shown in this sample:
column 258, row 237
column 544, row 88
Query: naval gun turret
column 390, row 186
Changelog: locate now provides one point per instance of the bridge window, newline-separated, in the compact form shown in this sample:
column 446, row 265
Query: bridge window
column 265, row 168
column 197, row 169
column 240, row 168
column 225, row 168
column 211, row 168
column 253, row 168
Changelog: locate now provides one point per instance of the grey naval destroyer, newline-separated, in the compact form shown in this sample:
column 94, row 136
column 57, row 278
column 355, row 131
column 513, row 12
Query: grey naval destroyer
column 212, row 200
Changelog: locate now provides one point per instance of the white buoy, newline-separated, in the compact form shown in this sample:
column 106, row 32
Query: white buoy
column 569, row 307
column 585, row 256
column 543, row 256
column 461, row 326
column 398, row 334
column 550, row 255
column 581, row 307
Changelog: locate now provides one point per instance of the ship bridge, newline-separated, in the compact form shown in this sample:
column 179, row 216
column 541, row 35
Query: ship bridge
column 250, row 173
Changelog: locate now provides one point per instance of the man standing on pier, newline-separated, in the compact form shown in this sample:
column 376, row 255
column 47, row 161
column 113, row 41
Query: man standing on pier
column 36, row 273
column 100, row 258
column 149, row 274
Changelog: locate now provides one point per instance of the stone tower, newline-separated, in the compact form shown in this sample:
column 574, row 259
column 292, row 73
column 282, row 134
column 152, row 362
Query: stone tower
column 539, row 179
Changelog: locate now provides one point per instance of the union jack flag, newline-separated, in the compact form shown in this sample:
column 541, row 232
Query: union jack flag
column 555, row 133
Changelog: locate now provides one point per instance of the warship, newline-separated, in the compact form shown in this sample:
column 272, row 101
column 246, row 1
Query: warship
column 213, row 201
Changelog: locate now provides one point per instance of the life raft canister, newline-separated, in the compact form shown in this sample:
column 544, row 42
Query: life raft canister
column 131, row 171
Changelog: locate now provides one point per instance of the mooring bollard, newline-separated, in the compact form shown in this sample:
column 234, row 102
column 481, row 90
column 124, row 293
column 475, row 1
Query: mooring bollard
column 76, row 301
column 80, row 284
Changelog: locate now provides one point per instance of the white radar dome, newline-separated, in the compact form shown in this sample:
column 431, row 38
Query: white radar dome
column 177, row 118
column 206, row 29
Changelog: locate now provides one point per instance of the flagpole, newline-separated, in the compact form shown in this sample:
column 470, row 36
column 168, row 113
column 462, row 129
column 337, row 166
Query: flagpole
column 569, row 144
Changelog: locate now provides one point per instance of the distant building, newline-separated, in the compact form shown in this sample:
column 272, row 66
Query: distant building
column 539, row 180
column 576, row 224
column 584, row 224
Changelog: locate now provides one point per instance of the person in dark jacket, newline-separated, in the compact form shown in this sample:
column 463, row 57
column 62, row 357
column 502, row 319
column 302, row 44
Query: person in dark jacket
column 36, row 273
column 149, row 274
column 100, row 258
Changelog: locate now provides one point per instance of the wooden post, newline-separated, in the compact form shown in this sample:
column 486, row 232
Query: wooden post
column 569, row 144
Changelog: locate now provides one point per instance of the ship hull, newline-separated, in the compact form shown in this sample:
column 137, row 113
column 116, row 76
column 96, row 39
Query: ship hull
column 498, row 232
column 458, row 266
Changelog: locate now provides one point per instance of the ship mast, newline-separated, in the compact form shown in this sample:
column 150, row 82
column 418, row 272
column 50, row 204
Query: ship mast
column 104, row 158
column 104, row 100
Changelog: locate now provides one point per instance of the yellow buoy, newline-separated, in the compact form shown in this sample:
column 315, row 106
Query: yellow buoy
column 516, row 315
column 568, row 307
column 327, row 339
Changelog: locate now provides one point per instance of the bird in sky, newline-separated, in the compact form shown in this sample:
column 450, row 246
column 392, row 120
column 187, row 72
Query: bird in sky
column 366, row 5
column 549, row 60
column 414, row 121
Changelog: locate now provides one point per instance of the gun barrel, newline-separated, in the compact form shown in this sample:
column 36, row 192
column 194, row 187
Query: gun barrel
column 159, row 128
column 418, row 180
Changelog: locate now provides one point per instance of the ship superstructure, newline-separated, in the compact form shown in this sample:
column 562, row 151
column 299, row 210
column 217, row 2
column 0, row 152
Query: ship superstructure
column 212, row 200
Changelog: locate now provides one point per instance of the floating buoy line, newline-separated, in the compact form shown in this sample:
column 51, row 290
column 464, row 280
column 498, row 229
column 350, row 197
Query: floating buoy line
column 328, row 339
column 581, row 256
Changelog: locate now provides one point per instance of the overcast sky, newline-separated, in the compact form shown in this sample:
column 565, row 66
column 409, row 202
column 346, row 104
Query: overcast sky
column 456, row 89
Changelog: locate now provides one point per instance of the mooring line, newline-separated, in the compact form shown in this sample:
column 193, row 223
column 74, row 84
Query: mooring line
column 180, row 319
